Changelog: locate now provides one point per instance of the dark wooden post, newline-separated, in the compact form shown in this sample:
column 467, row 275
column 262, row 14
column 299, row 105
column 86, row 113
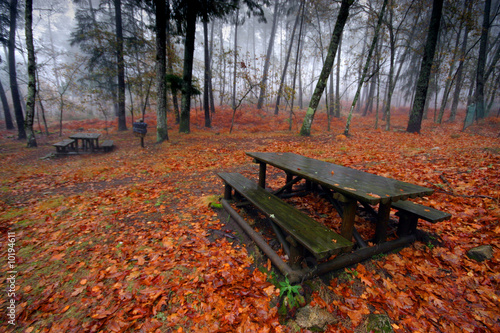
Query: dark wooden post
column 348, row 218
column 262, row 174
column 384, row 210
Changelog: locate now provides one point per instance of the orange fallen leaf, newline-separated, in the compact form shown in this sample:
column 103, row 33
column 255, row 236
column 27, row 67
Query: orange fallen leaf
column 65, row 309
column 83, row 282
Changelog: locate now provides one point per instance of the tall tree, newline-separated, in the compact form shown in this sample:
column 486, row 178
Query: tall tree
column 16, row 100
column 327, row 66
column 6, row 109
column 366, row 66
column 267, row 60
column 30, row 103
column 207, row 72
column 287, row 59
column 417, row 111
column 120, row 64
column 185, row 14
column 161, row 71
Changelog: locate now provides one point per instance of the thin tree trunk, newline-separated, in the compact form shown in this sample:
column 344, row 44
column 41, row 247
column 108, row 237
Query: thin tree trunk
column 6, row 110
column 16, row 100
column 460, row 70
column 366, row 66
column 30, row 110
column 235, row 57
column 327, row 67
column 207, row 78
column 210, row 90
column 296, row 64
column 283, row 75
column 263, row 85
column 481, row 62
column 184, row 125
column 416, row 114
column 337, row 81
column 122, row 121
column 161, row 70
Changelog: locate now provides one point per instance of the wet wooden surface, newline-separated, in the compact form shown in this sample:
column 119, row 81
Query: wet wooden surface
column 352, row 183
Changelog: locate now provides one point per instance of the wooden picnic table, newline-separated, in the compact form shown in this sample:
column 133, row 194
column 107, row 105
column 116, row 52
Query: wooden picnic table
column 343, row 184
column 89, row 141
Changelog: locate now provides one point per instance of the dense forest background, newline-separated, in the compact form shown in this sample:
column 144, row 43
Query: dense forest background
column 124, row 58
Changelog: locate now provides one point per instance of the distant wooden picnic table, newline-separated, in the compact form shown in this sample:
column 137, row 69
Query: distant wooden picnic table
column 88, row 141
column 345, row 188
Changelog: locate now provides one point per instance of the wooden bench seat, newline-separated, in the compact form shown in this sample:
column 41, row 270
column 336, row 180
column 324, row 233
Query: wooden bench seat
column 409, row 213
column 313, row 236
column 64, row 146
column 107, row 145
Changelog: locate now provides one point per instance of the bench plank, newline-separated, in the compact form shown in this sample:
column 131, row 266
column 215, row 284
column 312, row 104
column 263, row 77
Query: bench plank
column 319, row 240
column 107, row 145
column 426, row 213
column 62, row 146
column 64, row 143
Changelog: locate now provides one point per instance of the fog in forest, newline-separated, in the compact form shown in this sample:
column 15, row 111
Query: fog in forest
column 75, row 43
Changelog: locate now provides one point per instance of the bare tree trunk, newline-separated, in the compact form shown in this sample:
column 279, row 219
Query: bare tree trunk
column 296, row 64
column 263, row 85
column 337, row 82
column 235, row 56
column 481, row 62
column 122, row 121
column 366, row 66
column 327, row 67
column 16, row 100
column 460, row 70
column 161, row 71
column 283, row 76
column 416, row 114
column 207, row 78
column 6, row 110
column 30, row 110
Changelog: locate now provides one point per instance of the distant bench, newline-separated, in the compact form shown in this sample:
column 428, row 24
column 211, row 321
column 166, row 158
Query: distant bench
column 314, row 237
column 64, row 146
column 409, row 213
column 107, row 145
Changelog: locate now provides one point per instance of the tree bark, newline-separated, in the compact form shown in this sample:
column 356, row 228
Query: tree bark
column 207, row 78
column 327, row 67
column 30, row 103
column 283, row 75
column 16, row 100
column 235, row 61
column 481, row 62
column 185, row 122
column 267, row 62
column 6, row 109
column 366, row 66
column 122, row 122
column 161, row 70
column 416, row 114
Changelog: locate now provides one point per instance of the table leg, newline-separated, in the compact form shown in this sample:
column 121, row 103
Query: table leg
column 262, row 174
column 384, row 211
column 347, row 227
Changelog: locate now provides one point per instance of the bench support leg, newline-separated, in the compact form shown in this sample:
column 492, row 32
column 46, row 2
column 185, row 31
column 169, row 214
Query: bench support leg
column 228, row 192
column 262, row 174
column 384, row 210
column 407, row 224
column 348, row 219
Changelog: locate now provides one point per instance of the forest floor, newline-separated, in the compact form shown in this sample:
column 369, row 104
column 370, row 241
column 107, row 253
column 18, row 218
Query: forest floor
column 127, row 241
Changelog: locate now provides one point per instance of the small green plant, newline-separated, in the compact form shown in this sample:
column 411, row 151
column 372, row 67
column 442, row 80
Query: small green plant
column 290, row 298
column 430, row 246
column 161, row 316
column 351, row 273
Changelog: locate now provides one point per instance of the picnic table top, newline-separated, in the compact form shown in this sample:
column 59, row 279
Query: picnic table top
column 352, row 183
column 85, row 136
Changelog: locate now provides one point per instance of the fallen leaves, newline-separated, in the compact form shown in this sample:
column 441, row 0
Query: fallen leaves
column 120, row 242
